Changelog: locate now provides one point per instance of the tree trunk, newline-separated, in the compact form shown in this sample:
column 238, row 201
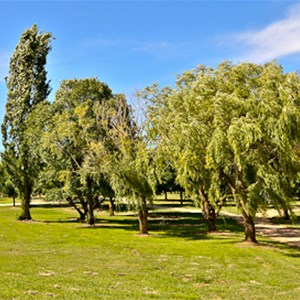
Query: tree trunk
column 82, row 215
column 181, row 197
column 84, row 205
column 91, row 217
column 143, row 217
column 250, row 234
column 210, row 217
column 25, row 205
column 14, row 201
column 286, row 214
column 241, row 200
column 111, row 207
column 208, row 211
column 166, row 196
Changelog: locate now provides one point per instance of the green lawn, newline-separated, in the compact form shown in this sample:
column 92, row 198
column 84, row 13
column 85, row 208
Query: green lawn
column 5, row 200
column 55, row 257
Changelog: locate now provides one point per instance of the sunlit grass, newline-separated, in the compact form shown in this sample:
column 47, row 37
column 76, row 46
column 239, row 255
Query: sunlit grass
column 54, row 256
column 6, row 200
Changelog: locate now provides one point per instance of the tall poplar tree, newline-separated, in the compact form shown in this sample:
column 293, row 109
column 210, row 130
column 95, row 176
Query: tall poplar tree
column 27, row 86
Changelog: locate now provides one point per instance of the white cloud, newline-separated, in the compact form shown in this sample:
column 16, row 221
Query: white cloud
column 166, row 49
column 156, row 48
column 278, row 39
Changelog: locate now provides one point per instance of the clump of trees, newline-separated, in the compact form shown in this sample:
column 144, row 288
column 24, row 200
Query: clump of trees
column 229, row 132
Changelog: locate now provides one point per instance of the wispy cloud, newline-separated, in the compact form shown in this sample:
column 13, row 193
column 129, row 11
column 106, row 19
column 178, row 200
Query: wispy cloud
column 154, row 47
column 157, row 48
column 167, row 49
column 278, row 39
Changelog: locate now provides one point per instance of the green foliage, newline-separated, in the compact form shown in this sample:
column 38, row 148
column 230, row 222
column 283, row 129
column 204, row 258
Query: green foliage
column 255, row 136
column 27, row 87
column 76, row 121
column 231, row 131
column 126, row 156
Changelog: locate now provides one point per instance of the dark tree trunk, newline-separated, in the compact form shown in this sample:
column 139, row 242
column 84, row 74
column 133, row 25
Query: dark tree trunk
column 208, row 211
column 25, row 204
column 286, row 214
column 250, row 234
column 90, row 201
column 82, row 215
column 166, row 196
column 181, row 198
column 241, row 200
column 91, row 217
column 14, row 201
column 143, row 217
column 210, row 217
column 84, row 205
column 111, row 207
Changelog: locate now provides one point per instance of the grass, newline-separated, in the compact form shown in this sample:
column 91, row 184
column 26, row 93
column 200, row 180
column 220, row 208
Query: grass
column 56, row 257
column 6, row 200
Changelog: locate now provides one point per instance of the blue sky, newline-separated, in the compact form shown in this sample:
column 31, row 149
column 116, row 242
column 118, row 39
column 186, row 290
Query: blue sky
column 132, row 44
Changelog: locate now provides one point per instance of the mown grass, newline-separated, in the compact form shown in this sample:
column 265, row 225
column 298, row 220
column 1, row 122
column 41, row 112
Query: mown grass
column 6, row 200
column 56, row 257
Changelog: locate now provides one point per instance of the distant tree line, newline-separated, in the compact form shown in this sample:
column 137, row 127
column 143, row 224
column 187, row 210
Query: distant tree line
column 226, row 133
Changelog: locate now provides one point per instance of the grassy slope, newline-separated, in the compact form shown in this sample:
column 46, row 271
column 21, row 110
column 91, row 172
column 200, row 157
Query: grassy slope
column 56, row 257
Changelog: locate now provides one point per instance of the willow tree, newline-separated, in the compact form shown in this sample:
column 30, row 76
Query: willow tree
column 27, row 86
column 76, row 123
column 233, row 131
column 256, row 136
column 180, row 126
column 126, row 157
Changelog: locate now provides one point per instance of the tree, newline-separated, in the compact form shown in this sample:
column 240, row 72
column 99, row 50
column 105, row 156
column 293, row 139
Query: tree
column 178, row 118
column 6, row 185
column 233, row 131
column 76, row 122
column 167, row 183
column 27, row 86
column 126, row 158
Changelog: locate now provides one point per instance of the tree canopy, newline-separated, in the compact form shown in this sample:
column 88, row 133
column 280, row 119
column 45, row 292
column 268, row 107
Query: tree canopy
column 233, row 131
column 76, row 121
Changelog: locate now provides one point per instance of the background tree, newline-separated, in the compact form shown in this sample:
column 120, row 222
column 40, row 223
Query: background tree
column 27, row 86
column 6, row 185
column 167, row 184
column 178, row 118
column 126, row 158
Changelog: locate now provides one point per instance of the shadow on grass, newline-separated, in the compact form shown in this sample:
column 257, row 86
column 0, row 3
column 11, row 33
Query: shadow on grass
column 187, row 225
column 281, row 220
column 49, row 205
column 60, row 221
column 171, row 203
column 283, row 248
